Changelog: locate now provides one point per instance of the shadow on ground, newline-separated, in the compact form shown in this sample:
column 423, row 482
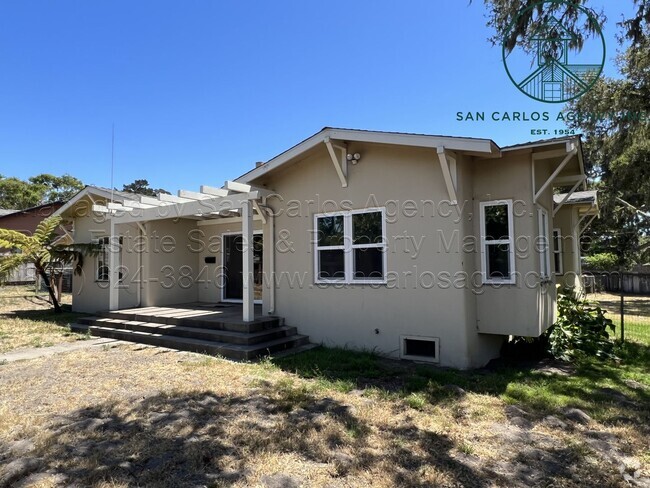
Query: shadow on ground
column 203, row 439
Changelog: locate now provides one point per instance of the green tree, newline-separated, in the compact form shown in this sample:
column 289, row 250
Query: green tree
column 41, row 250
column 141, row 187
column 617, row 152
column 56, row 188
column 44, row 188
column 18, row 194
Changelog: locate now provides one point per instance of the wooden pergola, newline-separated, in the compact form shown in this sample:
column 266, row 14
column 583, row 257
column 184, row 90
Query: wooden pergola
column 208, row 203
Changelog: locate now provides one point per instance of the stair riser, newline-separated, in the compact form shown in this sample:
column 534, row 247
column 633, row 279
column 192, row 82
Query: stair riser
column 203, row 348
column 300, row 341
column 206, row 335
column 163, row 342
column 257, row 326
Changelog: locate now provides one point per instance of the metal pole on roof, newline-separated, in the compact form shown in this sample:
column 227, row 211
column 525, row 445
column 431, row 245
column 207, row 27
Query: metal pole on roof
column 112, row 157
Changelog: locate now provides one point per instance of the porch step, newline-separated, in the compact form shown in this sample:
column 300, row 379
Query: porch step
column 198, row 322
column 202, row 333
column 228, row 350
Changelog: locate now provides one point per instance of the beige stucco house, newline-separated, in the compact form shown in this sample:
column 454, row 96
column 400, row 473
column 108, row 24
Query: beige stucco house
column 422, row 247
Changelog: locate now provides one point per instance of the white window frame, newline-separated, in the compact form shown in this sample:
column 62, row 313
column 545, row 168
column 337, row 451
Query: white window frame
column 544, row 253
column 105, row 242
column 511, row 280
column 348, row 248
column 558, row 252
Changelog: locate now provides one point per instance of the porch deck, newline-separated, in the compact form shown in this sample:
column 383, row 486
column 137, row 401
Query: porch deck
column 207, row 328
column 197, row 311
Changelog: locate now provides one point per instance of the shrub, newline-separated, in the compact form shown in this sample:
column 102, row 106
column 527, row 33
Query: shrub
column 604, row 261
column 580, row 329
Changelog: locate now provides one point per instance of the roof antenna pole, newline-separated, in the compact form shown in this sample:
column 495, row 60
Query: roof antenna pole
column 112, row 157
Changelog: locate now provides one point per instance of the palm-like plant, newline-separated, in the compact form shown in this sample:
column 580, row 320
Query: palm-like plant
column 41, row 250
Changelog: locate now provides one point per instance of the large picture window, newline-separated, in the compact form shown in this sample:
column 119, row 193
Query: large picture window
column 497, row 242
column 350, row 247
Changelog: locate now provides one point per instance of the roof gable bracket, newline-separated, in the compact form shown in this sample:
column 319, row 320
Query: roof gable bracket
column 259, row 210
column 340, row 166
column 583, row 229
column 449, row 173
column 568, row 195
column 549, row 181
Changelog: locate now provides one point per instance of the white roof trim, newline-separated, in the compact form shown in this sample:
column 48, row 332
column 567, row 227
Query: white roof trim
column 483, row 146
column 82, row 193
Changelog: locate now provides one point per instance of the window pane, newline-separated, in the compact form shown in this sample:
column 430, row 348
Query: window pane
column 369, row 263
column 558, row 262
column 367, row 228
column 496, row 222
column 331, row 264
column 330, row 231
column 498, row 261
column 557, row 241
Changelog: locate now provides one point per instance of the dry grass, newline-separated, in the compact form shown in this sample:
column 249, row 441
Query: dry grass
column 26, row 320
column 140, row 416
column 133, row 415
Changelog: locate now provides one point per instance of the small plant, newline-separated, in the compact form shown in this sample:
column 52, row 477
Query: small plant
column 581, row 328
column 416, row 401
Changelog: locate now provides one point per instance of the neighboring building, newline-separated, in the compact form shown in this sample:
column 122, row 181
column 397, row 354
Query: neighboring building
column 422, row 247
column 25, row 221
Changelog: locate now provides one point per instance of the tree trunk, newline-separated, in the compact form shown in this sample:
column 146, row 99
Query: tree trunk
column 50, row 287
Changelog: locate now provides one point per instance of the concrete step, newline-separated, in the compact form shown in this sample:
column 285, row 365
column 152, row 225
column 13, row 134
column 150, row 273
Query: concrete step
column 216, row 335
column 230, row 324
column 232, row 351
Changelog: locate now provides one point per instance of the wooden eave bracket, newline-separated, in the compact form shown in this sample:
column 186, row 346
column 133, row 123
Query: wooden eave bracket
column 578, row 182
column 448, row 166
column 572, row 152
column 341, row 165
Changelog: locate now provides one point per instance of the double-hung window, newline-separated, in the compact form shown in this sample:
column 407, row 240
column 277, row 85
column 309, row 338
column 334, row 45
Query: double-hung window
column 350, row 247
column 543, row 246
column 557, row 251
column 497, row 242
column 101, row 268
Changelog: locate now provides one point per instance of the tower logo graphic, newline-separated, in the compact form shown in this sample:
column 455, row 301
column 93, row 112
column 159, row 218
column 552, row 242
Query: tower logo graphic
column 547, row 66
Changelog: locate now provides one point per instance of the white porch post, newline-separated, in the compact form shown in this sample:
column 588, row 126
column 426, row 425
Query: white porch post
column 113, row 272
column 247, row 258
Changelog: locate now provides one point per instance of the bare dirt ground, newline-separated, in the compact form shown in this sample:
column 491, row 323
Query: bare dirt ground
column 137, row 416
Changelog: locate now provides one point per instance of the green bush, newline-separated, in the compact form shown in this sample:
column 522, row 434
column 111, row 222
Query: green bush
column 580, row 329
column 604, row 261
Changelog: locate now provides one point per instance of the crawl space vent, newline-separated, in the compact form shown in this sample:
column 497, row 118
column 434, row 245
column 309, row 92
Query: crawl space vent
column 420, row 348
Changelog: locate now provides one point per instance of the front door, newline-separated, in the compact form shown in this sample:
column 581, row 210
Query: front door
column 233, row 265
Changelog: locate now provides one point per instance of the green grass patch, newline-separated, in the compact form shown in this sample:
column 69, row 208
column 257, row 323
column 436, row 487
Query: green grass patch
column 525, row 385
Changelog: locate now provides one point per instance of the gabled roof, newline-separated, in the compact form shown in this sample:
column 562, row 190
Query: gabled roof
column 6, row 213
column 589, row 196
column 101, row 192
column 470, row 145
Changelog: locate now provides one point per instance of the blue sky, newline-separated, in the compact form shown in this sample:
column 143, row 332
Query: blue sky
column 199, row 90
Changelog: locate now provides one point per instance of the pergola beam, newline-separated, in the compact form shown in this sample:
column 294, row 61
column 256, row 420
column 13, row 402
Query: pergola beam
column 213, row 192
column 187, row 209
